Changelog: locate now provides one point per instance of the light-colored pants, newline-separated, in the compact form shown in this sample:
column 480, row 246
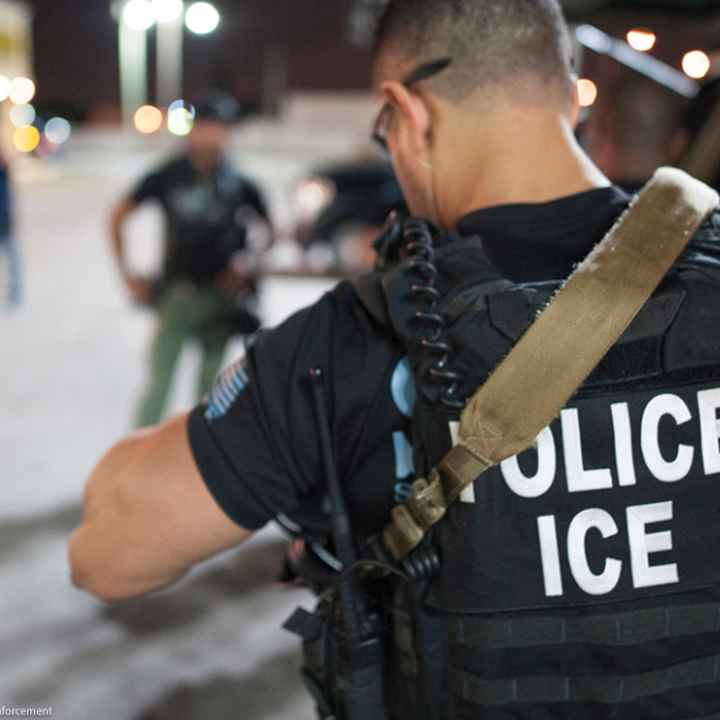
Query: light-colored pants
column 185, row 313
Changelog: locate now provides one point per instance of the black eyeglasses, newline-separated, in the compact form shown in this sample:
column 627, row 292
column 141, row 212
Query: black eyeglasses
column 382, row 123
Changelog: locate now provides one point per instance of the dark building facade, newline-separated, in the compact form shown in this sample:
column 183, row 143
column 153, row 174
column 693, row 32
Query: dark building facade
column 260, row 49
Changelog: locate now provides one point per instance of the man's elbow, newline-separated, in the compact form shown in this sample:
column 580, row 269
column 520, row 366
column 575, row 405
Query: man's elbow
column 87, row 576
column 96, row 586
column 104, row 581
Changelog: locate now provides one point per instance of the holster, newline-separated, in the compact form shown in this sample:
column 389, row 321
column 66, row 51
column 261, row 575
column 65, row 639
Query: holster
column 314, row 629
column 346, row 680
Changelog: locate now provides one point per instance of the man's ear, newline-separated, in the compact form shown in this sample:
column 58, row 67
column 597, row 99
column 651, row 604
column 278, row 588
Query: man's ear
column 411, row 123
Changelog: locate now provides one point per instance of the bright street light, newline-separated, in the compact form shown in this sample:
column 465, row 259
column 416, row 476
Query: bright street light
column 181, row 105
column 22, row 90
column 148, row 119
column 135, row 18
column 26, row 139
column 587, row 92
column 641, row 39
column 58, row 130
column 202, row 18
column 167, row 11
column 138, row 15
column 180, row 121
column 696, row 64
column 22, row 115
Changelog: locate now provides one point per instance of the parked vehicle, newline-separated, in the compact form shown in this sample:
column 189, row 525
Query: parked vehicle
column 343, row 207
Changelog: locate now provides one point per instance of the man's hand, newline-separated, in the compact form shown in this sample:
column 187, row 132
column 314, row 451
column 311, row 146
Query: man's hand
column 233, row 282
column 140, row 289
column 240, row 275
column 148, row 517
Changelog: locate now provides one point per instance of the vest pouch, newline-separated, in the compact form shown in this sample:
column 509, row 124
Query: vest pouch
column 416, row 655
column 316, row 634
column 347, row 683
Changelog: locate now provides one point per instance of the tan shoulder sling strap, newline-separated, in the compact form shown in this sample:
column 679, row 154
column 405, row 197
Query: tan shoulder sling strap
column 556, row 355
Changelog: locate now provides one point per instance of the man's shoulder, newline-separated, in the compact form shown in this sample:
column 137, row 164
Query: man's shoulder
column 333, row 323
column 175, row 166
column 230, row 169
column 238, row 184
column 703, row 252
column 313, row 324
column 180, row 163
column 709, row 231
column 359, row 298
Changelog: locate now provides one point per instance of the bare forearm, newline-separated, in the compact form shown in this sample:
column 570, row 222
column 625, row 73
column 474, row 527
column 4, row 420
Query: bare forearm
column 118, row 248
column 117, row 236
column 148, row 517
column 104, row 554
column 89, row 550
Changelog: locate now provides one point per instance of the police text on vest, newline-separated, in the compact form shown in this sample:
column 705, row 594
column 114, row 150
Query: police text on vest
column 645, row 527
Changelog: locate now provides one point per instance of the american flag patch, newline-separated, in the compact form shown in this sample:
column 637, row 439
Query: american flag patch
column 227, row 390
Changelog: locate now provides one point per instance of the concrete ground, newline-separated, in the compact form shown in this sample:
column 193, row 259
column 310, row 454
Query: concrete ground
column 72, row 365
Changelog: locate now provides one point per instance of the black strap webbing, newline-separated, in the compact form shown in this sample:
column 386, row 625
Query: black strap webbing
column 621, row 629
column 585, row 688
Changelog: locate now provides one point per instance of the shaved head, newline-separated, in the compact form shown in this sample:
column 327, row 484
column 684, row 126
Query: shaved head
column 499, row 43
column 472, row 89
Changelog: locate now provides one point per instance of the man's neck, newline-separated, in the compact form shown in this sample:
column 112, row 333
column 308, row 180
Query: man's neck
column 531, row 168
column 205, row 164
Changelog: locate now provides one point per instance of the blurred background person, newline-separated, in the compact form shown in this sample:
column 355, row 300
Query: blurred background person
column 8, row 242
column 702, row 127
column 633, row 130
column 343, row 207
column 209, row 276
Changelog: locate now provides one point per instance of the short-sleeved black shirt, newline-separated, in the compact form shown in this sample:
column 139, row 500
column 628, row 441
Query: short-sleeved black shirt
column 205, row 216
column 255, row 441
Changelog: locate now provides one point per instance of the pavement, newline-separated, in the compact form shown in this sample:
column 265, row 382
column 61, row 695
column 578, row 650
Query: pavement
column 72, row 366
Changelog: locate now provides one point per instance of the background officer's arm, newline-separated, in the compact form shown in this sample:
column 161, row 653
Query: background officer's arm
column 253, row 200
column 139, row 288
column 148, row 517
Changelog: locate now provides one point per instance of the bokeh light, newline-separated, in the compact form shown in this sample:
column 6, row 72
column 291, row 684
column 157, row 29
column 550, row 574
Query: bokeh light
column 22, row 115
column 182, row 105
column 166, row 11
column 5, row 87
column 696, row 64
column 313, row 195
column 148, row 119
column 138, row 15
column 26, row 139
column 58, row 130
column 587, row 92
column 202, row 18
column 22, row 90
column 641, row 39
column 180, row 121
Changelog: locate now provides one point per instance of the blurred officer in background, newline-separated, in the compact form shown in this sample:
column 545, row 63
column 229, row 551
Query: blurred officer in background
column 633, row 130
column 702, row 128
column 208, row 280
column 575, row 581
column 8, row 241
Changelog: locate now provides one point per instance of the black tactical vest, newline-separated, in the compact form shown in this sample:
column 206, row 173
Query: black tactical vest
column 580, row 579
